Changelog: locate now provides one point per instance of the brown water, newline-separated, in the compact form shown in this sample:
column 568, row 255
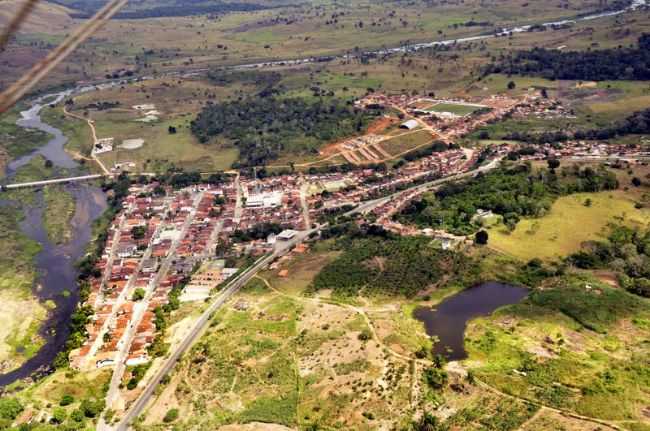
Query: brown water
column 449, row 319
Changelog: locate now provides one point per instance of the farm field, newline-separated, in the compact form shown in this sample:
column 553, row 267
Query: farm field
column 255, row 36
column 569, row 223
column 406, row 142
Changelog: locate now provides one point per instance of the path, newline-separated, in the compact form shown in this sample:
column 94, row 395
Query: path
column 91, row 124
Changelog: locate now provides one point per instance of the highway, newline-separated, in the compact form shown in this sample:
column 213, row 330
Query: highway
column 202, row 323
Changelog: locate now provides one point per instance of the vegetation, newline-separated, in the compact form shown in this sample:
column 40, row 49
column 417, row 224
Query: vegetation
column 595, row 65
column 262, row 128
column 571, row 221
column 511, row 192
column 389, row 265
column 16, row 141
column 627, row 251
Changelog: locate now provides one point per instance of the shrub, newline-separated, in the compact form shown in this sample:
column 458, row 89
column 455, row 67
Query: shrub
column 171, row 416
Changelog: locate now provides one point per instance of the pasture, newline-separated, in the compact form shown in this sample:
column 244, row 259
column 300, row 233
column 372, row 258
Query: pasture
column 569, row 223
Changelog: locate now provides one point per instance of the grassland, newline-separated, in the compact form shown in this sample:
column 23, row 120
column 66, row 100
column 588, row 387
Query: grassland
column 569, row 223
column 22, row 314
column 59, row 210
column 274, row 355
column 291, row 32
column 407, row 142
column 570, row 347
column 453, row 108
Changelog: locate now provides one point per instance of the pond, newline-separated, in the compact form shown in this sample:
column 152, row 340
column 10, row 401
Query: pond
column 449, row 319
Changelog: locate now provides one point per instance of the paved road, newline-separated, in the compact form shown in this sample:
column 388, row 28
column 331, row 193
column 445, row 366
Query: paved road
column 282, row 248
column 202, row 323
column 141, row 307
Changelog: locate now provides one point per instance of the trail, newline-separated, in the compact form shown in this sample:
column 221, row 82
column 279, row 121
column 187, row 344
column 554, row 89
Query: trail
column 426, row 362
column 91, row 124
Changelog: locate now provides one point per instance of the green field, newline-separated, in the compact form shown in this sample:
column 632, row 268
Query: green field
column 406, row 142
column 568, row 224
column 453, row 108
column 568, row 347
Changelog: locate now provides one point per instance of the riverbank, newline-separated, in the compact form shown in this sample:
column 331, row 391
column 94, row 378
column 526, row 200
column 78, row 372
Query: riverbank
column 52, row 227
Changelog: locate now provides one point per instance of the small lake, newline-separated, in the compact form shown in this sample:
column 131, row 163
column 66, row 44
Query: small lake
column 449, row 319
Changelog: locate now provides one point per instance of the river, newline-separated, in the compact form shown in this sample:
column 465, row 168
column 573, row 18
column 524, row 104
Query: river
column 448, row 320
column 57, row 279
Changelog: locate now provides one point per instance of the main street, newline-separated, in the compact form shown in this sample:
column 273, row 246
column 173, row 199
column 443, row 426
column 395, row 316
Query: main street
column 125, row 344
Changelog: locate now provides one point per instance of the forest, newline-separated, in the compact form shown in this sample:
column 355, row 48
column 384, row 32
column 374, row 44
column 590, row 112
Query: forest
column 597, row 65
column 262, row 128
column 511, row 192
column 387, row 264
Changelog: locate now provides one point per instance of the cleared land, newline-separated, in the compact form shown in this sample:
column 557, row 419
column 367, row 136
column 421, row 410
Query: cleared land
column 569, row 223
column 293, row 360
column 407, row 142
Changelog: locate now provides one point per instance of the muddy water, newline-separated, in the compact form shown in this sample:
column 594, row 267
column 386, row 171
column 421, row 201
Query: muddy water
column 449, row 319
column 55, row 263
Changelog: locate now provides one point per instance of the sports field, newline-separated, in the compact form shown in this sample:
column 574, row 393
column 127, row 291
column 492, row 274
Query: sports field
column 454, row 108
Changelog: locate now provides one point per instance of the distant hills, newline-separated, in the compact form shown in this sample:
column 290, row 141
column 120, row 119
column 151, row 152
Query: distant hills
column 141, row 9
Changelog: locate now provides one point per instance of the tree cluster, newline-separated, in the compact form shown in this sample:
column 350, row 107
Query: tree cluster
column 386, row 264
column 597, row 65
column 512, row 193
column 626, row 251
column 261, row 128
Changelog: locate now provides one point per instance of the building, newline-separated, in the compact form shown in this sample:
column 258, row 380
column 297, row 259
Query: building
column 286, row 235
column 409, row 125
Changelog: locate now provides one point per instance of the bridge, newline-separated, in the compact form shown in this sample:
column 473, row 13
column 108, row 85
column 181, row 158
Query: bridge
column 54, row 181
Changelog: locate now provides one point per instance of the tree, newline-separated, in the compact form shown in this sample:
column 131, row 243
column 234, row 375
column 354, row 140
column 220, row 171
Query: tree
column 171, row 416
column 66, row 400
column 139, row 294
column 171, row 130
column 138, row 232
column 512, row 85
column 553, row 163
column 59, row 415
column 92, row 408
column 10, row 408
column 481, row 237
column 48, row 163
column 436, row 378
column 636, row 182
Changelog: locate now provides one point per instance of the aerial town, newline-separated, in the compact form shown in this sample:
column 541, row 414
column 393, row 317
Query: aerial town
column 164, row 239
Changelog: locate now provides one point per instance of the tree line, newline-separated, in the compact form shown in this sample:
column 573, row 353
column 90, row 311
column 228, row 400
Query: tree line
column 511, row 192
column 597, row 65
